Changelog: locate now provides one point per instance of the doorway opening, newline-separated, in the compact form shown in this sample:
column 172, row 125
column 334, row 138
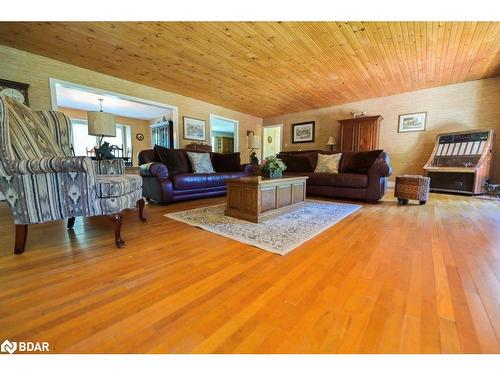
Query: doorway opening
column 224, row 134
column 140, row 123
column 271, row 139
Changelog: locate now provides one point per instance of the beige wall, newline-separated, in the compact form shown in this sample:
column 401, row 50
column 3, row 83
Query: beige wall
column 469, row 105
column 16, row 65
column 136, row 126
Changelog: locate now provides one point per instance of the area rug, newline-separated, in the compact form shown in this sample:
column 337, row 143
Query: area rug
column 279, row 235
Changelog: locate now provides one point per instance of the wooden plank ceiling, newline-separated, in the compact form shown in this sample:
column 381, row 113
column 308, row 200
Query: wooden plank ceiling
column 271, row 68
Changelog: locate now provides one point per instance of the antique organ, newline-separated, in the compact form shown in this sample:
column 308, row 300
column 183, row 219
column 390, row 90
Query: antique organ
column 461, row 161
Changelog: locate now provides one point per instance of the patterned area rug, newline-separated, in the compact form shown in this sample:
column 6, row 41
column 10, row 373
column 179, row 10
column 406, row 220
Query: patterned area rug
column 278, row 235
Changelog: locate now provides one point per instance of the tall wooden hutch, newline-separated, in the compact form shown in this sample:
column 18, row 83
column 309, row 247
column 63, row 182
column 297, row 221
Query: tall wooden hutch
column 360, row 134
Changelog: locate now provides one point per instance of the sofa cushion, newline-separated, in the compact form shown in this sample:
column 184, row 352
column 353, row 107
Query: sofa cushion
column 175, row 160
column 328, row 163
column 203, row 180
column 226, row 162
column 348, row 180
column 305, row 162
column 360, row 162
column 109, row 186
column 200, row 162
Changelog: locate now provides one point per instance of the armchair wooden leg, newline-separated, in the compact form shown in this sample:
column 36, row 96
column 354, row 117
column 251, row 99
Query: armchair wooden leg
column 21, row 235
column 140, row 206
column 117, row 220
column 71, row 222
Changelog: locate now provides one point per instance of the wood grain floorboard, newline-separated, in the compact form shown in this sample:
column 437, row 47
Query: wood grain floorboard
column 387, row 279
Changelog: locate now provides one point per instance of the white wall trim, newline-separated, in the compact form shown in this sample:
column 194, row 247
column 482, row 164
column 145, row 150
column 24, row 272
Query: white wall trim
column 173, row 108
column 236, row 142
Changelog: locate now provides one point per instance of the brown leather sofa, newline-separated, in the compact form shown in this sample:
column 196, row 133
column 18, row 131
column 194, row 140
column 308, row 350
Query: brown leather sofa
column 362, row 175
column 165, row 185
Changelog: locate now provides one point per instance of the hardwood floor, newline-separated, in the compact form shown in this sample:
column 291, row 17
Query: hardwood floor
column 387, row 279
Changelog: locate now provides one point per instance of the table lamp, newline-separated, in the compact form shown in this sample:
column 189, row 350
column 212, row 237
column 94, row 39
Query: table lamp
column 101, row 124
column 331, row 142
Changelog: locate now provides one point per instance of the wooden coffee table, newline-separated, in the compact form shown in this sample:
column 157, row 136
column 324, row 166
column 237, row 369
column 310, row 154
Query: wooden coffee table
column 257, row 198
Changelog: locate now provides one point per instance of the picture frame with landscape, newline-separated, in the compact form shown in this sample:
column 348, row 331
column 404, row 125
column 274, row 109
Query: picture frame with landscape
column 303, row 132
column 412, row 122
column 194, row 129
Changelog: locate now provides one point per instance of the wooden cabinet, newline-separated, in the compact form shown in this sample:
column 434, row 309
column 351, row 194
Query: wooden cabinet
column 224, row 145
column 360, row 134
column 257, row 198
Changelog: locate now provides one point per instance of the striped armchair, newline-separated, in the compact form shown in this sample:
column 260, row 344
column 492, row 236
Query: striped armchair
column 42, row 181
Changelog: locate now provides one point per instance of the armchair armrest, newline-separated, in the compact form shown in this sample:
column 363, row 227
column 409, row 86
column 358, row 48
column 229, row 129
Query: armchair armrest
column 154, row 169
column 109, row 166
column 53, row 164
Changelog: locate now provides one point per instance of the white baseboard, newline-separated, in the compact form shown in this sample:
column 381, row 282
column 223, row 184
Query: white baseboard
column 391, row 184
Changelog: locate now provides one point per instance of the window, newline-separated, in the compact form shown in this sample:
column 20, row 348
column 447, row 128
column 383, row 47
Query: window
column 82, row 141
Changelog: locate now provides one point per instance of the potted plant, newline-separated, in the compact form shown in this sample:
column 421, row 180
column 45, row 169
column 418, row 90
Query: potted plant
column 273, row 167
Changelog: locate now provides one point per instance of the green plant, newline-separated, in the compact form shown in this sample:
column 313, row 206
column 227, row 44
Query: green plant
column 273, row 166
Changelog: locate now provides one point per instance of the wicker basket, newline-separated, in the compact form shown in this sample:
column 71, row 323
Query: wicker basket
column 412, row 187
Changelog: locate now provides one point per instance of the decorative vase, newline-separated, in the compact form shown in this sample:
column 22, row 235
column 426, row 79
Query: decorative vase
column 275, row 173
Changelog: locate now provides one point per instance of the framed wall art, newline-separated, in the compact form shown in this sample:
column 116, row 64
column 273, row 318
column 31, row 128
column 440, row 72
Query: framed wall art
column 194, row 129
column 303, row 132
column 412, row 122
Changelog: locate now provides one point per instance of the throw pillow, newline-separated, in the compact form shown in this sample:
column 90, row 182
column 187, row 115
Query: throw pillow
column 328, row 163
column 360, row 162
column 200, row 161
column 175, row 160
column 226, row 162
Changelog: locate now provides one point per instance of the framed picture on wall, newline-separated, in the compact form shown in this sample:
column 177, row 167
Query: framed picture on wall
column 303, row 132
column 194, row 129
column 412, row 122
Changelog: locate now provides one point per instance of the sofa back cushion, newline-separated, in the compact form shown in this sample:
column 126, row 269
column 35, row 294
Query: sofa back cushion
column 174, row 159
column 299, row 161
column 226, row 162
column 147, row 156
column 359, row 162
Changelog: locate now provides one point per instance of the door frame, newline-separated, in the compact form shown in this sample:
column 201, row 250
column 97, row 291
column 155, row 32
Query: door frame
column 281, row 135
column 236, row 142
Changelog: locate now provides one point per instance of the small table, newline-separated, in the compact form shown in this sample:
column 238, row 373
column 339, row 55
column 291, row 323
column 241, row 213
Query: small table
column 257, row 198
column 412, row 187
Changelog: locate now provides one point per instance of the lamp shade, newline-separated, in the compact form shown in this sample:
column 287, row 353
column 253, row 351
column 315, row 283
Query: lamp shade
column 331, row 141
column 101, row 123
column 253, row 141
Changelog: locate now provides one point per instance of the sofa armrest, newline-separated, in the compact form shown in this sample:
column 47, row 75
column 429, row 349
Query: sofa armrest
column 53, row 164
column 247, row 168
column 109, row 166
column 381, row 167
column 154, row 169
